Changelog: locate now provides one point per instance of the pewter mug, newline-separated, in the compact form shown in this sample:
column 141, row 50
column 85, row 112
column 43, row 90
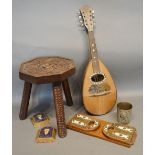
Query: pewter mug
column 124, row 112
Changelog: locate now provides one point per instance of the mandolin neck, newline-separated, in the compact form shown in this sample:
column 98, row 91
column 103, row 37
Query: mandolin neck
column 93, row 52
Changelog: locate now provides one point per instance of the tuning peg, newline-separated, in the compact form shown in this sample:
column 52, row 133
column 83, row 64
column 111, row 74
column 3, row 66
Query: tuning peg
column 92, row 11
column 80, row 16
column 81, row 22
column 78, row 13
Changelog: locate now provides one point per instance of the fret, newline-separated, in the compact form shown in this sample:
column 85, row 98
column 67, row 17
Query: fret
column 93, row 51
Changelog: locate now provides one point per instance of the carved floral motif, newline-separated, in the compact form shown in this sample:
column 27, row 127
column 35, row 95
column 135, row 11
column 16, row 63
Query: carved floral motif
column 45, row 66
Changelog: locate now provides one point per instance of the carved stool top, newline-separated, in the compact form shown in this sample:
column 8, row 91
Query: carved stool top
column 46, row 69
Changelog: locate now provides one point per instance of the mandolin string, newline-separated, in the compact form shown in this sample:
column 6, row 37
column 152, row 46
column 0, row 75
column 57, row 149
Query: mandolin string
column 95, row 67
column 95, row 60
column 93, row 63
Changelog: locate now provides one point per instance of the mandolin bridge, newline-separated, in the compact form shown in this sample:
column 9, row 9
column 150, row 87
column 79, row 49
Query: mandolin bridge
column 99, row 89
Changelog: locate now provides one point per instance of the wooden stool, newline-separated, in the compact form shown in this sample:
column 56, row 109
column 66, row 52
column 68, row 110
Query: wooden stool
column 53, row 70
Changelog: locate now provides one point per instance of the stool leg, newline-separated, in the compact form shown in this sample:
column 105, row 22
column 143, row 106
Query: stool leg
column 67, row 92
column 25, row 100
column 58, row 100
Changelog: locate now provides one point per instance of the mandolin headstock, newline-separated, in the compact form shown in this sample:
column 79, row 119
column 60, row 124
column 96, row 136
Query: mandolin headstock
column 86, row 17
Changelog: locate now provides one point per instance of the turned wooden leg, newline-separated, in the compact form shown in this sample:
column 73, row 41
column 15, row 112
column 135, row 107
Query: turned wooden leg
column 58, row 100
column 25, row 100
column 67, row 92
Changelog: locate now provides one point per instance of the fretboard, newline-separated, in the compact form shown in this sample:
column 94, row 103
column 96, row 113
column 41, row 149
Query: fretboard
column 93, row 51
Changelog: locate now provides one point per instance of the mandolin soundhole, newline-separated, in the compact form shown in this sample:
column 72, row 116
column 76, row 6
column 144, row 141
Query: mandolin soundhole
column 97, row 77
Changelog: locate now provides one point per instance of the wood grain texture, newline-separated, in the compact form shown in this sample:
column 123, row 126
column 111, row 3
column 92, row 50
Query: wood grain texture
column 42, row 70
column 67, row 92
column 98, row 105
column 98, row 132
column 99, row 102
column 25, row 100
column 46, row 69
column 87, row 15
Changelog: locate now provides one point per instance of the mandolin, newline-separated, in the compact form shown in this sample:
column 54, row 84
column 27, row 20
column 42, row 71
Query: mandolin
column 99, row 91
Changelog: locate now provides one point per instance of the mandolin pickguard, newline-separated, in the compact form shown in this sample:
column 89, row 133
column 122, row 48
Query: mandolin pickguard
column 98, row 89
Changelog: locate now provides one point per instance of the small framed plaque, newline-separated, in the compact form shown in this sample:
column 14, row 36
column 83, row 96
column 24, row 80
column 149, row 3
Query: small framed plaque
column 40, row 120
column 46, row 135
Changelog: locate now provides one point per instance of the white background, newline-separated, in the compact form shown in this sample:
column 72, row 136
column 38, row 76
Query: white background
column 48, row 27
column 5, row 39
